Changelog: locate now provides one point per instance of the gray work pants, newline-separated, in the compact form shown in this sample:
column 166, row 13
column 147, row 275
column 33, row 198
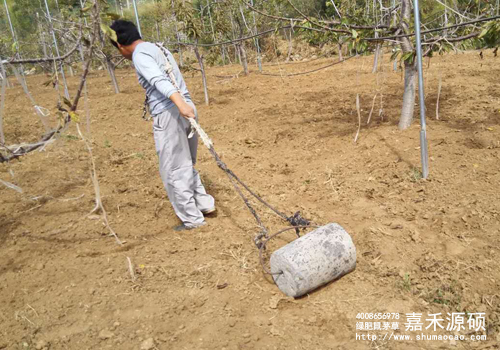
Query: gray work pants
column 177, row 157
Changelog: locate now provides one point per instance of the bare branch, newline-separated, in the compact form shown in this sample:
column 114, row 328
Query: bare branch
column 434, row 30
column 288, row 19
column 87, row 64
column 316, row 23
column 48, row 59
column 243, row 38
column 49, row 136
column 460, row 38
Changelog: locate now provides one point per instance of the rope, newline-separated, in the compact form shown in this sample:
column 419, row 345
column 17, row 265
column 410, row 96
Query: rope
column 145, row 109
column 296, row 220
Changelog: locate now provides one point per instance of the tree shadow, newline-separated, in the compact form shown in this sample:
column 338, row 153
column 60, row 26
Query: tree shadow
column 395, row 151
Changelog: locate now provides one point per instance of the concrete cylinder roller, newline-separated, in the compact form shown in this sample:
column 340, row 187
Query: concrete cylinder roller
column 313, row 260
column 307, row 263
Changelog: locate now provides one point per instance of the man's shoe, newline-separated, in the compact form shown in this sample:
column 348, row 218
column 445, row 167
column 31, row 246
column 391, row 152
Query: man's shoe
column 182, row 227
column 208, row 211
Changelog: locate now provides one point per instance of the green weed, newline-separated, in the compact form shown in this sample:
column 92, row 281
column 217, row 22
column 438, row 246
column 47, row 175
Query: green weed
column 71, row 137
column 415, row 175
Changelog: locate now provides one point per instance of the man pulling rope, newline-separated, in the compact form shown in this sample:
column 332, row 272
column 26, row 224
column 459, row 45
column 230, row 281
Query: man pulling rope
column 153, row 80
column 171, row 107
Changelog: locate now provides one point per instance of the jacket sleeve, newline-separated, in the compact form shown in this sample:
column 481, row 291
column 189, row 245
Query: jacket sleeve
column 148, row 68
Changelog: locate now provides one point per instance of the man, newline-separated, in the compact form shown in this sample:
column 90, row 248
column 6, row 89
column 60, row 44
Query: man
column 170, row 109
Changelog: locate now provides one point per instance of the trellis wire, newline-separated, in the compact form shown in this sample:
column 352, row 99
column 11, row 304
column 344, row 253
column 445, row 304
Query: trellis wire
column 310, row 71
column 180, row 43
column 486, row 19
column 228, row 42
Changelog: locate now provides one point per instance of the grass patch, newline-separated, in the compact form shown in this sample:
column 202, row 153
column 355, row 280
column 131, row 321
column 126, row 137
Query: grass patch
column 70, row 137
column 415, row 175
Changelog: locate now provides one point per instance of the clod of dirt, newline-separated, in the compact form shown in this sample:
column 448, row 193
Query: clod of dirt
column 105, row 334
column 415, row 236
column 274, row 301
column 222, row 286
column 395, row 226
column 41, row 344
column 148, row 344
column 275, row 332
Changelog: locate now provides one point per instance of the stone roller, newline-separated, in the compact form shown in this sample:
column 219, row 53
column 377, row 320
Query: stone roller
column 311, row 261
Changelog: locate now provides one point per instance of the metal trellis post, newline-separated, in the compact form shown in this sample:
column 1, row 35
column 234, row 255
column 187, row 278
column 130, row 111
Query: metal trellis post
column 82, row 6
column 10, row 22
column 259, row 59
column 423, row 127
column 66, row 92
column 137, row 18
column 14, row 38
column 2, row 100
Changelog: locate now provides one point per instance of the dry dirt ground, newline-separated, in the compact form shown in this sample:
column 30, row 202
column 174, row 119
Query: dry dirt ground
column 423, row 246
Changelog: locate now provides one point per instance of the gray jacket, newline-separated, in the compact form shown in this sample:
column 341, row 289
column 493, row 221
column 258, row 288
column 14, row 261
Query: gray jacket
column 149, row 62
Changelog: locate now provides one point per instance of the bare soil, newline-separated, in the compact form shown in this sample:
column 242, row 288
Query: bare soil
column 423, row 246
